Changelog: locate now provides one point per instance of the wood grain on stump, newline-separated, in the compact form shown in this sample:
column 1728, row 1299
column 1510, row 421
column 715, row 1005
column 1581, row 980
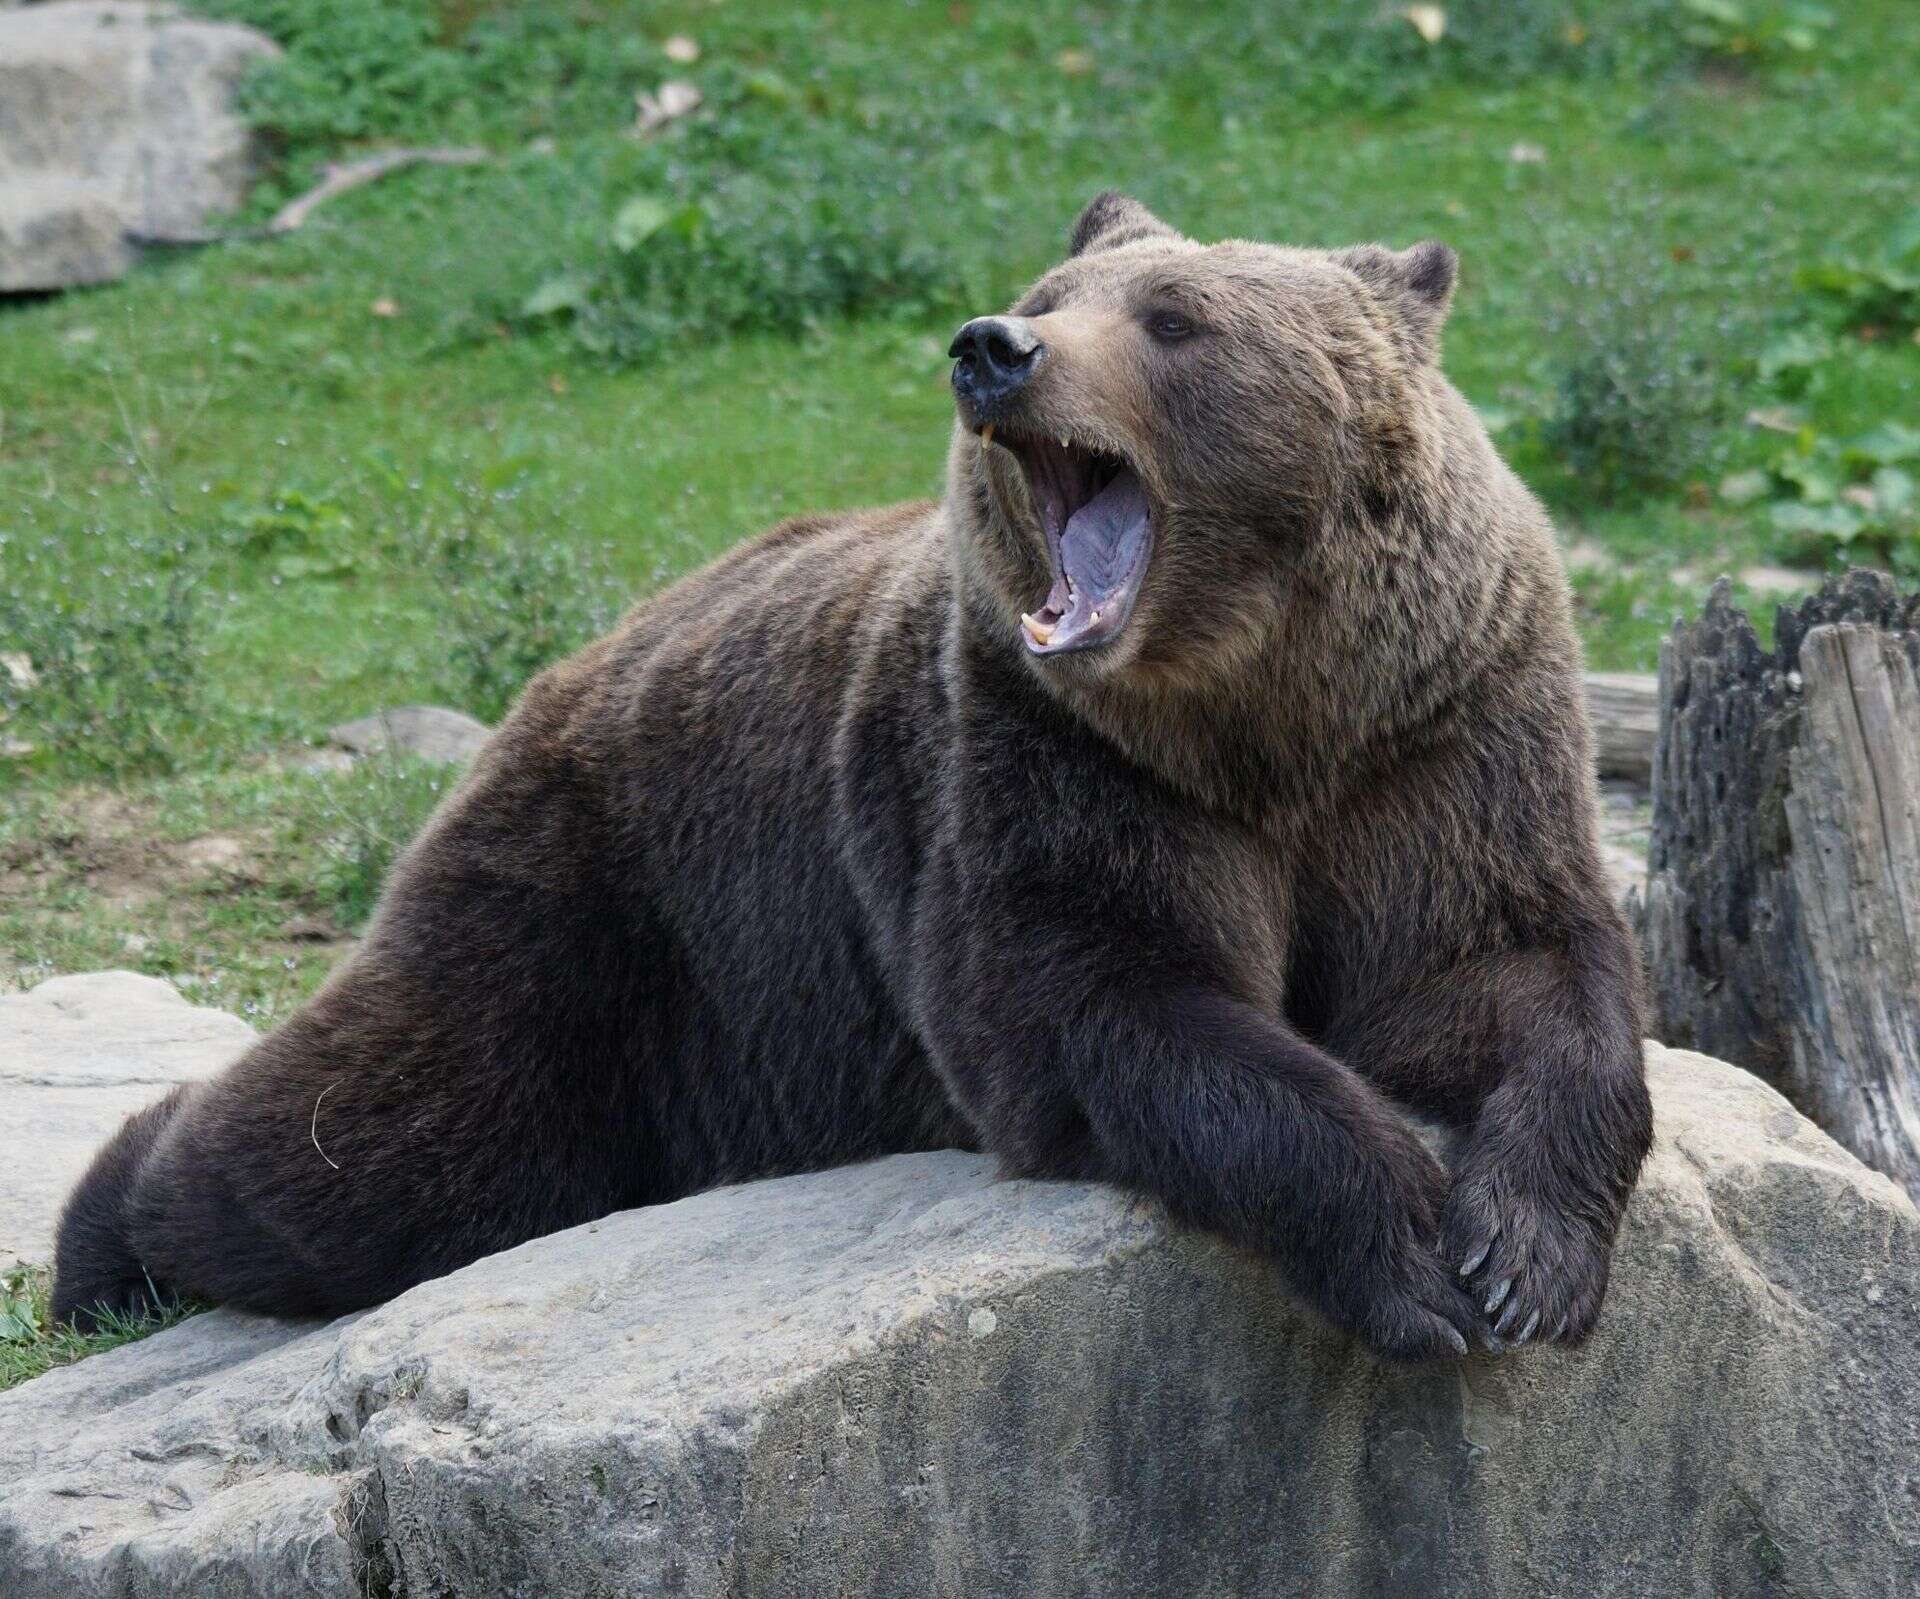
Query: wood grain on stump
column 1782, row 915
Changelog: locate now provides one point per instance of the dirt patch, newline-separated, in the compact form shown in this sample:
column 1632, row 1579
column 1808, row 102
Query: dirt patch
column 105, row 842
column 1730, row 80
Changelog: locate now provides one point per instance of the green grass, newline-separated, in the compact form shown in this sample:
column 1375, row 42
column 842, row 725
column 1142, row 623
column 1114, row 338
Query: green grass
column 243, row 374
column 442, row 433
column 31, row 1344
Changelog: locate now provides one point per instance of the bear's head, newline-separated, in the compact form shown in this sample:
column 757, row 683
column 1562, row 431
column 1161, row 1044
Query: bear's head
column 1159, row 432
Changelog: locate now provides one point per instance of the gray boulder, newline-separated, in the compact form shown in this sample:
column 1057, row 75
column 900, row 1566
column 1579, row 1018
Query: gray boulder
column 58, row 231
column 431, row 732
column 116, row 119
column 78, row 1055
column 906, row 1378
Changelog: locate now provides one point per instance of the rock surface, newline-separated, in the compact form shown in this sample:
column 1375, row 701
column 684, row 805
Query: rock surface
column 78, row 1055
column 430, row 731
column 116, row 119
column 907, row 1379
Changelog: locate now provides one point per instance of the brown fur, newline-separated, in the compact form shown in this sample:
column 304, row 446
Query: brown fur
column 813, row 860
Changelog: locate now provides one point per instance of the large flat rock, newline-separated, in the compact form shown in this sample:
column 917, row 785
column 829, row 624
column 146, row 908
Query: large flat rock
column 78, row 1055
column 116, row 119
column 907, row 1379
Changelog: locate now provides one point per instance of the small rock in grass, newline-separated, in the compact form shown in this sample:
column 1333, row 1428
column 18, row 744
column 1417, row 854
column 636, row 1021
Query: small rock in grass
column 431, row 732
column 217, row 852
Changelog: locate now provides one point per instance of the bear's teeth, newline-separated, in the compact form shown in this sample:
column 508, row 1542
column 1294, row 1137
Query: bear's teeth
column 986, row 436
column 1037, row 630
column 1065, row 443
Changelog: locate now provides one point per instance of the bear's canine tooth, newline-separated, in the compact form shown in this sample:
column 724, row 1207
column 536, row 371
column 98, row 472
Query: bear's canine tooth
column 1037, row 630
column 986, row 436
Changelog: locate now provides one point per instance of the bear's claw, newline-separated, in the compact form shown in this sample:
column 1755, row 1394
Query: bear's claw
column 1536, row 1273
column 1413, row 1308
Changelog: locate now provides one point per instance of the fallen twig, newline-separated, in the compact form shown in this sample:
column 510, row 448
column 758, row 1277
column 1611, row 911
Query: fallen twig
column 338, row 178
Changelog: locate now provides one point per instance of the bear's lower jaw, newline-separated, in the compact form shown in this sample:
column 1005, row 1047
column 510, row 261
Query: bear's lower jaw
column 1099, row 537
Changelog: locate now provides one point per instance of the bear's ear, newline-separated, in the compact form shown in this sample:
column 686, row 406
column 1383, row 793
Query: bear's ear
column 1112, row 218
column 1415, row 286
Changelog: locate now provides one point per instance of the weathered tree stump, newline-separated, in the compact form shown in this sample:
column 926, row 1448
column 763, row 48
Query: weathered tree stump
column 1782, row 915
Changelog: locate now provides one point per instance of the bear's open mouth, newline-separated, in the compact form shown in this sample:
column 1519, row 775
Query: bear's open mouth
column 1099, row 538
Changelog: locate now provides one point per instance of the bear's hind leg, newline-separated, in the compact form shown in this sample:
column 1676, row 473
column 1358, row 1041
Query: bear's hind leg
column 96, row 1269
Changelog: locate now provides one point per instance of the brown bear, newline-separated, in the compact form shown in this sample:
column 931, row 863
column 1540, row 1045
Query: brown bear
column 1206, row 773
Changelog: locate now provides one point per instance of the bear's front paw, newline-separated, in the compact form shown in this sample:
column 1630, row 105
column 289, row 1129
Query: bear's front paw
column 1410, row 1306
column 1537, row 1269
column 1396, row 1290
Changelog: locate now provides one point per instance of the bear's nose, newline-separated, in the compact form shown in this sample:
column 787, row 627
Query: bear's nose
column 992, row 357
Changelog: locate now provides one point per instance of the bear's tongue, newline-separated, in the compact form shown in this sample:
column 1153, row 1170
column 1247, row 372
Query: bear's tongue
column 1102, row 556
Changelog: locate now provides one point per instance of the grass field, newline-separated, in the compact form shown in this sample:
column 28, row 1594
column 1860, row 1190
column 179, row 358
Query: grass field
column 451, row 427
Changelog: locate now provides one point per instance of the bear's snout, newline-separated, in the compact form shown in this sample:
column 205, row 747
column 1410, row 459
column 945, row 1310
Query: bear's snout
column 993, row 356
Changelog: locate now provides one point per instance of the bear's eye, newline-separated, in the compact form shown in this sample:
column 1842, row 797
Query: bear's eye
column 1168, row 326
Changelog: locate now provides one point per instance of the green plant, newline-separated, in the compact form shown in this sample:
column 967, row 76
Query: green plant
column 352, row 69
column 760, row 214
column 1795, row 363
column 370, row 814
column 1879, row 289
column 1229, row 119
column 505, row 606
column 365, row 69
column 297, row 536
column 1636, row 397
column 1833, row 500
column 1754, row 31
column 31, row 1344
column 106, row 672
